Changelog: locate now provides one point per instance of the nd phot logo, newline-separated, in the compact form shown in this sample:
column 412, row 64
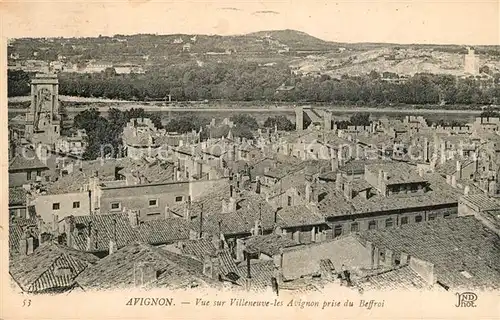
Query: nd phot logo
column 466, row 300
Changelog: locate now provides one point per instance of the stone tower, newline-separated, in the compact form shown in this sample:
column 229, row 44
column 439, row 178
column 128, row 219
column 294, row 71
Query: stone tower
column 471, row 62
column 43, row 120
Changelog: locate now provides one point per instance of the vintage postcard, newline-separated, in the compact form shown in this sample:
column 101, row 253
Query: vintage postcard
column 247, row 159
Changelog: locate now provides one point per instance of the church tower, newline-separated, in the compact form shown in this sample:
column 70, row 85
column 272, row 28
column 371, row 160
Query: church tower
column 44, row 119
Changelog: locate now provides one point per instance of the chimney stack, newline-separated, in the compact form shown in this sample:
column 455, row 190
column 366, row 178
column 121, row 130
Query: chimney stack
column 308, row 193
column 448, row 179
column 200, row 231
column 112, row 241
column 69, row 229
column 459, row 170
column 453, row 181
column 338, row 181
column 133, row 217
column 29, row 247
column 466, row 190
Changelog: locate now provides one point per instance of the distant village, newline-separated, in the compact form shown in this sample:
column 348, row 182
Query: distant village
column 396, row 204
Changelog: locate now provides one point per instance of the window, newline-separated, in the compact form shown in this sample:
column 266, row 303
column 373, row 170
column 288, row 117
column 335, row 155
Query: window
column 153, row 202
column 28, row 175
column 446, row 215
column 39, row 173
column 372, row 225
column 337, row 231
column 178, row 199
column 289, row 200
column 388, row 223
column 404, row 220
column 56, row 206
column 76, row 204
column 354, row 227
column 115, row 205
column 431, row 216
column 418, row 219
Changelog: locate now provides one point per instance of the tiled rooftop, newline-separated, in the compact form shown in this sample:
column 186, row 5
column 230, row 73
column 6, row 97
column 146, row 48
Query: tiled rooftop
column 335, row 203
column 300, row 215
column 103, row 230
column 401, row 278
column 162, row 231
column 169, row 270
column 270, row 244
column 39, row 271
column 482, row 201
column 17, row 196
column 452, row 245
column 397, row 172
column 26, row 159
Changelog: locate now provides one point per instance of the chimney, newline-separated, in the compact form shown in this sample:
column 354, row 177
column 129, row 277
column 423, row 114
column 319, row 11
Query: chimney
column 187, row 209
column 69, row 229
column 443, row 152
column 376, row 257
column 386, row 177
column 144, row 273
column 55, row 225
column 334, row 164
column 338, row 181
column 404, row 258
column 348, row 190
column 257, row 186
column 369, row 248
column 308, row 195
column 459, row 170
column 389, row 259
column 426, row 150
column 424, row 269
column 133, row 218
column 29, row 245
column 112, row 240
column 175, row 175
column 89, row 237
column 448, row 179
column 23, row 246
column 453, row 181
column 247, row 256
column 200, row 231
column 466, row 190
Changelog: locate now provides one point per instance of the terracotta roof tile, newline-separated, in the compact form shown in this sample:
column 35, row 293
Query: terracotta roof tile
column 38, row 271
column 452, row 245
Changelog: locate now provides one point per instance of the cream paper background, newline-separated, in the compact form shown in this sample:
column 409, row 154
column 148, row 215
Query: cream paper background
column 417, row 21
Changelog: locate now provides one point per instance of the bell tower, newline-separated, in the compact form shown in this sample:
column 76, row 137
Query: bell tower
column 44, row 119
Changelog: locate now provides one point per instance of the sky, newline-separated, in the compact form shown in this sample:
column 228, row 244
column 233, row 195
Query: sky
column 410, row 21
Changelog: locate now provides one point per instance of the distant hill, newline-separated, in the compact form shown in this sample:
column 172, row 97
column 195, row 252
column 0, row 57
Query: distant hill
column 296, row 40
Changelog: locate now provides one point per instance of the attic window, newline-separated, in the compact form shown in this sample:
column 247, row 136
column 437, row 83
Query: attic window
column 466, row 274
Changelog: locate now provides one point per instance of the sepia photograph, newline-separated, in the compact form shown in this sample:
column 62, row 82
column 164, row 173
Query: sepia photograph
column 294, row 156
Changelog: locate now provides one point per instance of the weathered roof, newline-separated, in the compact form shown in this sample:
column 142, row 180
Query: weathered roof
column 169, row 270
column 103, row 229
column 17, row 230
column 270, row 244
column 161, row 231
column 27, row 159
column 482, row 201
column 300, row 215
column 334, row 203
column 17, row 196
column 37, row 272
column 452, row 245
column 261, row 272
column 397, row 172
column 401, row 278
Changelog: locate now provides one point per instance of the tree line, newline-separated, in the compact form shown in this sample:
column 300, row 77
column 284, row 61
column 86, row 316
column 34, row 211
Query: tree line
column 247, row 81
